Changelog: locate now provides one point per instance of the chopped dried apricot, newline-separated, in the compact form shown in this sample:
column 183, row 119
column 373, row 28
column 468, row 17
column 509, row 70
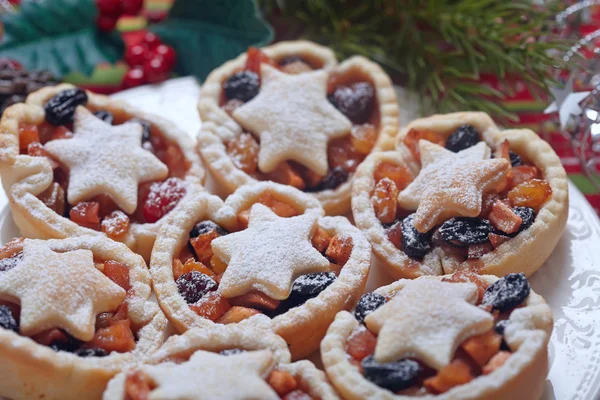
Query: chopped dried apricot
column 411, row 140
column 394, row 234
column 217, row 265
column 121, row 314
column 399, row 174
column 280, row 208
column 237, row 314
column 466, row 276
column 211, row 306
column 54, row 198
column 482, row 347
column 385, row 200
column 193, row 265
column 243, row 151
column 116, row 224
column 310, row 177
column 496, row 362
column 502, row 150
column 116, row 337
column 496, row 240
column 177, row 268
column 86, row 214
column 341, row 153
column 28, row 134
column 282, row 382
column 321, row 239
column 50, row 336
column 361, row 344
column 255, row 57
column 532, row 193
column 339, row 249
column 504, row 218
column 520, row 174
column 255, row 299
column 476, row 251
column 363, row 138
column 61, row 132
column 137, row 386
column 487, row 202
column 202, row 247
column 118, row 273
column 456, row 373
column 12, row 248
column 286, row 175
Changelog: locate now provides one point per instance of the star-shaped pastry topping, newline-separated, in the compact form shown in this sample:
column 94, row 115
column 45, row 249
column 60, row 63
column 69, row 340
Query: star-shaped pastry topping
column 427, row 320
column 106, row 159
column 293, row 118
column 59, row 290
column 269, row 254
column 210, row 376
column 451, row 184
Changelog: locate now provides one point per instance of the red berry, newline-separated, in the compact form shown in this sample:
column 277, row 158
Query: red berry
column 136, row 55
column 156, row 69
column 106, row 23
column 132, row 7
column 109, row 7
column 162, row 198
column 134, row 77
column 168, row 55
column 151, row 40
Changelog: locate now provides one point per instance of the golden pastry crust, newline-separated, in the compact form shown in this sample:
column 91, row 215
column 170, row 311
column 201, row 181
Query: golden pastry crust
column 524, row 253
column 255, row 336
column 31, row 370
column 302, row 327
column 218, row 126
column 24, row 177
column 521, row 377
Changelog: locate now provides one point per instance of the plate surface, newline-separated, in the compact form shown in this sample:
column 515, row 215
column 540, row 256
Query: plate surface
column 569, row 280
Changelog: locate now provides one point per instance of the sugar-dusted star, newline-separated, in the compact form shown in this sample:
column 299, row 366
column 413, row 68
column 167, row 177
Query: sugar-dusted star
column 427, row 320
column 211, row 376
column 566, row 102
column 269, row 254
column 106, row 159
column 293, row 118
column 59, row 290
column 451, row 184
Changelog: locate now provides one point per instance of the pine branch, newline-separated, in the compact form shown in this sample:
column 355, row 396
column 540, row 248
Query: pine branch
column 438, row 48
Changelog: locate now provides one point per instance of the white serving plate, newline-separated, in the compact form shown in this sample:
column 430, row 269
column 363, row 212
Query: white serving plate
column 569, row 280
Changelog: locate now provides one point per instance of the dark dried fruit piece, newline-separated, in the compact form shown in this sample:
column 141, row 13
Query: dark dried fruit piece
column 61, row 108
column 204, row 227
column 11, row 262
column 462, row 231
column 193, row 285
column 333, row 179
column 95, row 352
column 243, row 85
column 515, row 159
column 355, row 101
column 368, row 303
column 105, row 116
column 501, row 326
column 146, row 128
column 507, row 293
column 527, row 214
column 414, row 243
column 463, row 137
column 393, row 376
column 306, row 287
column 7, row 321
column 231, row 352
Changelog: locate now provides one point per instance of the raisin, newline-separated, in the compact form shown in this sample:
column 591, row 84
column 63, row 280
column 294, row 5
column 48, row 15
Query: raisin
column 501, row 326
column 193, row 285
column 368, row 303
column 61, row 108
column 393, row 376
column 527, row 214
column 355, row 101
column 507, row 293
column 243, row 85
column 306, row 287
column 414, row 243
column 515, row 159
column 146, row 128
column 462, row 231
column 204, row 227
column 231, row 352
column 11, row 262
column 7, row 321
column 463, row 137
column 95, row 352
column 332, row 180
column 105, row 116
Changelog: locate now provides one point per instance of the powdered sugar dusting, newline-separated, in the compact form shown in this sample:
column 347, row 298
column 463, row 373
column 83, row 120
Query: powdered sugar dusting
column 106, row 159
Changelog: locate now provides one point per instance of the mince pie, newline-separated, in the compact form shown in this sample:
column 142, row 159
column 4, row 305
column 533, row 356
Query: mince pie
column 289, row 113
column 73, row 313
column 461, row 336
column 266, row 250
column 460, row 194
column 222, row 362
column 75, row 163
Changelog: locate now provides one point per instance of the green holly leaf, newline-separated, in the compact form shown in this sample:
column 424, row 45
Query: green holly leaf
column 59, row 36
column 206, row 33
